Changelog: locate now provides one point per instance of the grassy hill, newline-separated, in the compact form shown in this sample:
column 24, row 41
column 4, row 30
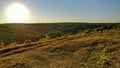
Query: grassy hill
column 41, row 28
column 11, row 35
column 86, row 50
column 19, row 33
column 63, row 27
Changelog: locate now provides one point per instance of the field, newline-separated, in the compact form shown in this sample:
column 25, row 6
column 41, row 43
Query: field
column 79, row 45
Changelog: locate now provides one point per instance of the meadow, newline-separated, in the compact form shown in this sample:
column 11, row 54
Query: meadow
column 60, row 45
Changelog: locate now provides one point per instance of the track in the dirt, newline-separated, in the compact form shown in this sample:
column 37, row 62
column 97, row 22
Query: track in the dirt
column 19, row 49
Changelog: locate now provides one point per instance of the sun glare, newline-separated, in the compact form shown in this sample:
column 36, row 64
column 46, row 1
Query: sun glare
column 17, row 13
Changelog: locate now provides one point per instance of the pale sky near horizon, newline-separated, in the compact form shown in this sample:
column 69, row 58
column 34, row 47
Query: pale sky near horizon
column 67, row 10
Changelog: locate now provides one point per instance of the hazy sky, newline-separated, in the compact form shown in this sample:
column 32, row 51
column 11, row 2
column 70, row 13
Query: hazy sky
column 68, row 10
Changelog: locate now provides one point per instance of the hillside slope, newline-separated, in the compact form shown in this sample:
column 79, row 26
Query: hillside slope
column 40, row 28
column 91, row 50
column 46, row 27
column 10, row 35
column 19, row 33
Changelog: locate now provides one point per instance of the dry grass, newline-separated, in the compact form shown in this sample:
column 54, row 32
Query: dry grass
column 93, row 50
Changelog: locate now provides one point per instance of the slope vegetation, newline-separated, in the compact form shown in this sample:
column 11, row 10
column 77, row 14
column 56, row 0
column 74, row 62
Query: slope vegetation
column 86, row 50
column 11, row 35
column 19, row 33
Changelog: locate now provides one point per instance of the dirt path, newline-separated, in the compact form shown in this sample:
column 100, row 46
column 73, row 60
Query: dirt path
column 19, row 49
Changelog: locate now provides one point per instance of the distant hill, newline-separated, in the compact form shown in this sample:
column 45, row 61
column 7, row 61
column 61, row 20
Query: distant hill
column 40, row 28
column 63, row 27
column 19, row 33
column 9, row 35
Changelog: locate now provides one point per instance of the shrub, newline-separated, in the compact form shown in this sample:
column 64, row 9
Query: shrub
column 87, row 31
column 42, row 36
column 54, row 34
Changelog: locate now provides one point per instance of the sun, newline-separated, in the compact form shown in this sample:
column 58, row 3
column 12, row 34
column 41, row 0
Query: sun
column 17, row 13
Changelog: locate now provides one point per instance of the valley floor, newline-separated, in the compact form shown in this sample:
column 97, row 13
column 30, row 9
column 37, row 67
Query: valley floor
column 87, row 50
